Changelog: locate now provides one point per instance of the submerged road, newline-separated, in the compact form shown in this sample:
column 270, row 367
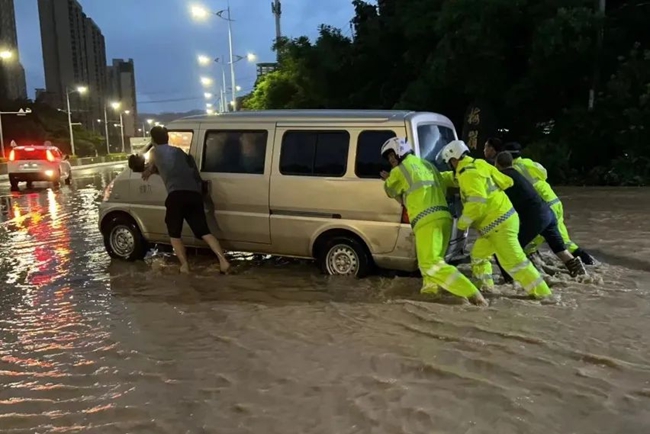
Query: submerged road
column 93, row 345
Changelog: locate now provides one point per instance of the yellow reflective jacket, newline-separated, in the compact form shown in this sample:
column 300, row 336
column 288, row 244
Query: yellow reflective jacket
column 485, row 205
column 535, row 173
column 422, row 189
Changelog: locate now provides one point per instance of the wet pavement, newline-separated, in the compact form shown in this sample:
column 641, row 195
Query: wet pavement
column 93, row 345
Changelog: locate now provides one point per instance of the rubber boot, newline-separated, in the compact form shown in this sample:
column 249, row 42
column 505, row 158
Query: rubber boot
column 576, row 267
column 587, row 259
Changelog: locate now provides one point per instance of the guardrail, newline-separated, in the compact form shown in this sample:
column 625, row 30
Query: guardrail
column 85, row 161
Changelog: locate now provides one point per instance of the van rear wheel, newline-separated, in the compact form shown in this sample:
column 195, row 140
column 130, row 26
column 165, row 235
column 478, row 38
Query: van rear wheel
column 123, row 240
column 345, row 256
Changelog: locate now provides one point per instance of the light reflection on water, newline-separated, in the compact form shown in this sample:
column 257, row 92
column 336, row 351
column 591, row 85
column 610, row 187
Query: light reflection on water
column 87, row 344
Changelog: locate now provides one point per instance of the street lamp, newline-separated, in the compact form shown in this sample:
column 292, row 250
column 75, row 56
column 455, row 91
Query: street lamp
column 144, row 130
column 250, row 57
column 21, row 112
column 80, row 90
column 207, row 95
column 203, row 60
column 201, row 13
column 206, row 81
column 6, row 54
column 116, row 106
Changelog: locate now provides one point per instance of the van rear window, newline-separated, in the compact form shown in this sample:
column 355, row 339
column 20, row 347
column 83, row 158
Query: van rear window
column 21, row 154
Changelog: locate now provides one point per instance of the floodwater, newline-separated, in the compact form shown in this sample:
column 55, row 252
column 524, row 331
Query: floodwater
column 91, row 345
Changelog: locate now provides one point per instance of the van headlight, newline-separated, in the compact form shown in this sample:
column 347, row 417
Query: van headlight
column 107, row 191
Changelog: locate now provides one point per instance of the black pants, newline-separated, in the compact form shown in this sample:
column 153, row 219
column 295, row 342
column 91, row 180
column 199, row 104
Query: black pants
column 529, row 228
column 185, row 206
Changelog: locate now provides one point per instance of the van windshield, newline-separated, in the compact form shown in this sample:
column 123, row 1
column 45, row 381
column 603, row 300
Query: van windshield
column 432, row 139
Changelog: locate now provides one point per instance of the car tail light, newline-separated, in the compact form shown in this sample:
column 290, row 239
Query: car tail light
column 49, row 155
column 405, row 216
column 12, row 155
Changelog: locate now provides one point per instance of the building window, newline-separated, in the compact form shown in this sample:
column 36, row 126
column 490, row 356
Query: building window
column 235, row 151
column 314, row 153
column 369, row 162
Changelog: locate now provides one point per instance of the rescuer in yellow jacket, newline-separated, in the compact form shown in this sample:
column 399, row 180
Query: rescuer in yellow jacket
column 487, row 209
column 536, row 174
column 422, row 190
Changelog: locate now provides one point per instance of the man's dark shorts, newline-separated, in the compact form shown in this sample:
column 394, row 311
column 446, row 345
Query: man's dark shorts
column 188, row 206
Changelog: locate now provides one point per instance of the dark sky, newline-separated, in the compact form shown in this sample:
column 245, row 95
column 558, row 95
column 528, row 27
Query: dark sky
column 164, row 41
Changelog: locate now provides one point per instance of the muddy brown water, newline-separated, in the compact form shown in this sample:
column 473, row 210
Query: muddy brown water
column 91, row 345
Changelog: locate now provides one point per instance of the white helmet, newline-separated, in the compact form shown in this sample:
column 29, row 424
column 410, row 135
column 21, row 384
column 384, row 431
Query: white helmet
column 454, row 149
column 400, row 146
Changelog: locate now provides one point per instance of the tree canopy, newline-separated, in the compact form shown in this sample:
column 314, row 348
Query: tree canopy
column 525, row 66
column 45, row 123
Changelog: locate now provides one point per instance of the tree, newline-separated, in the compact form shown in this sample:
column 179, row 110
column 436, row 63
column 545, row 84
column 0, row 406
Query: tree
column 45, row 123
column 532, row 61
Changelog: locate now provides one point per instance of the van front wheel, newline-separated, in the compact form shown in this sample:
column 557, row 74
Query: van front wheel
column 345, row 256
column 123, row 240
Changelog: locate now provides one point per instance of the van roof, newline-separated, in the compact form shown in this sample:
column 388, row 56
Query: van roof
column 315, row 115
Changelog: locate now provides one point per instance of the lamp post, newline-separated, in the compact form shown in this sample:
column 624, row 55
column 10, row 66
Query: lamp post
column 21, row 112
column 122, row 113
column 116, row 106
column 80, row 90
column 108, row 142
column 199, row 12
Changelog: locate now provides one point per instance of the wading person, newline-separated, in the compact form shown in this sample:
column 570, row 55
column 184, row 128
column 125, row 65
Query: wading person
column 487, row 209
column 535, row 173
column 535, row 216
column 422, row 189
column 184, row 196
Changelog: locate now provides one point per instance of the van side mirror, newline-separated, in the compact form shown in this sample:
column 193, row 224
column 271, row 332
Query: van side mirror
column 136, row 163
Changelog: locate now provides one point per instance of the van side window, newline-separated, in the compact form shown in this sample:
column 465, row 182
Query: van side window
column 369, row 161
column 314, row 153
column 235, row 151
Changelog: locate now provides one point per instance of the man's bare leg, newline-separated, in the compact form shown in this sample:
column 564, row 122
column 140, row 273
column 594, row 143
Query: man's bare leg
column 574, row 264
column 181, row 254
column 210, row 239
column 564, row 256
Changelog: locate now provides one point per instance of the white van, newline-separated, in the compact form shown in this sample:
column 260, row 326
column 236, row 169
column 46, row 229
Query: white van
column 294, row 183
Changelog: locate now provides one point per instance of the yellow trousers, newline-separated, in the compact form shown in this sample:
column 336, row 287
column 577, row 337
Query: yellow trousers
column 558, row 210
column 503, row 242
column 431, row 241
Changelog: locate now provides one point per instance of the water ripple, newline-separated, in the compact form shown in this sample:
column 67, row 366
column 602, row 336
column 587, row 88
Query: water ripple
column 91, row 345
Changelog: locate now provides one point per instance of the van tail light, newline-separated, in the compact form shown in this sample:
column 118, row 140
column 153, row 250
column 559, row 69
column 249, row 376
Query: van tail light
column 405, row 216
column 12, row 155
column 49, row 155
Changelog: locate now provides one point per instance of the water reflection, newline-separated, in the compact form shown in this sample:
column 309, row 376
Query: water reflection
column 91, row 345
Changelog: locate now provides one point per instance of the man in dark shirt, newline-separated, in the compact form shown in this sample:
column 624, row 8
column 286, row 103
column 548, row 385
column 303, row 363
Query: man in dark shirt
column 535, row 216
column 184, row 196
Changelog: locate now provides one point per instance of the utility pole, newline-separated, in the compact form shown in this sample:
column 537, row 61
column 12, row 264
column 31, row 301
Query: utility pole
column 276, row 9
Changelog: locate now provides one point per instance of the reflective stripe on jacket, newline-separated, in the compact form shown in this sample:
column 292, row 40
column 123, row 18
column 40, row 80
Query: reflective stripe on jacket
column 485, row 205
column 536, row 174
column 422, row 189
